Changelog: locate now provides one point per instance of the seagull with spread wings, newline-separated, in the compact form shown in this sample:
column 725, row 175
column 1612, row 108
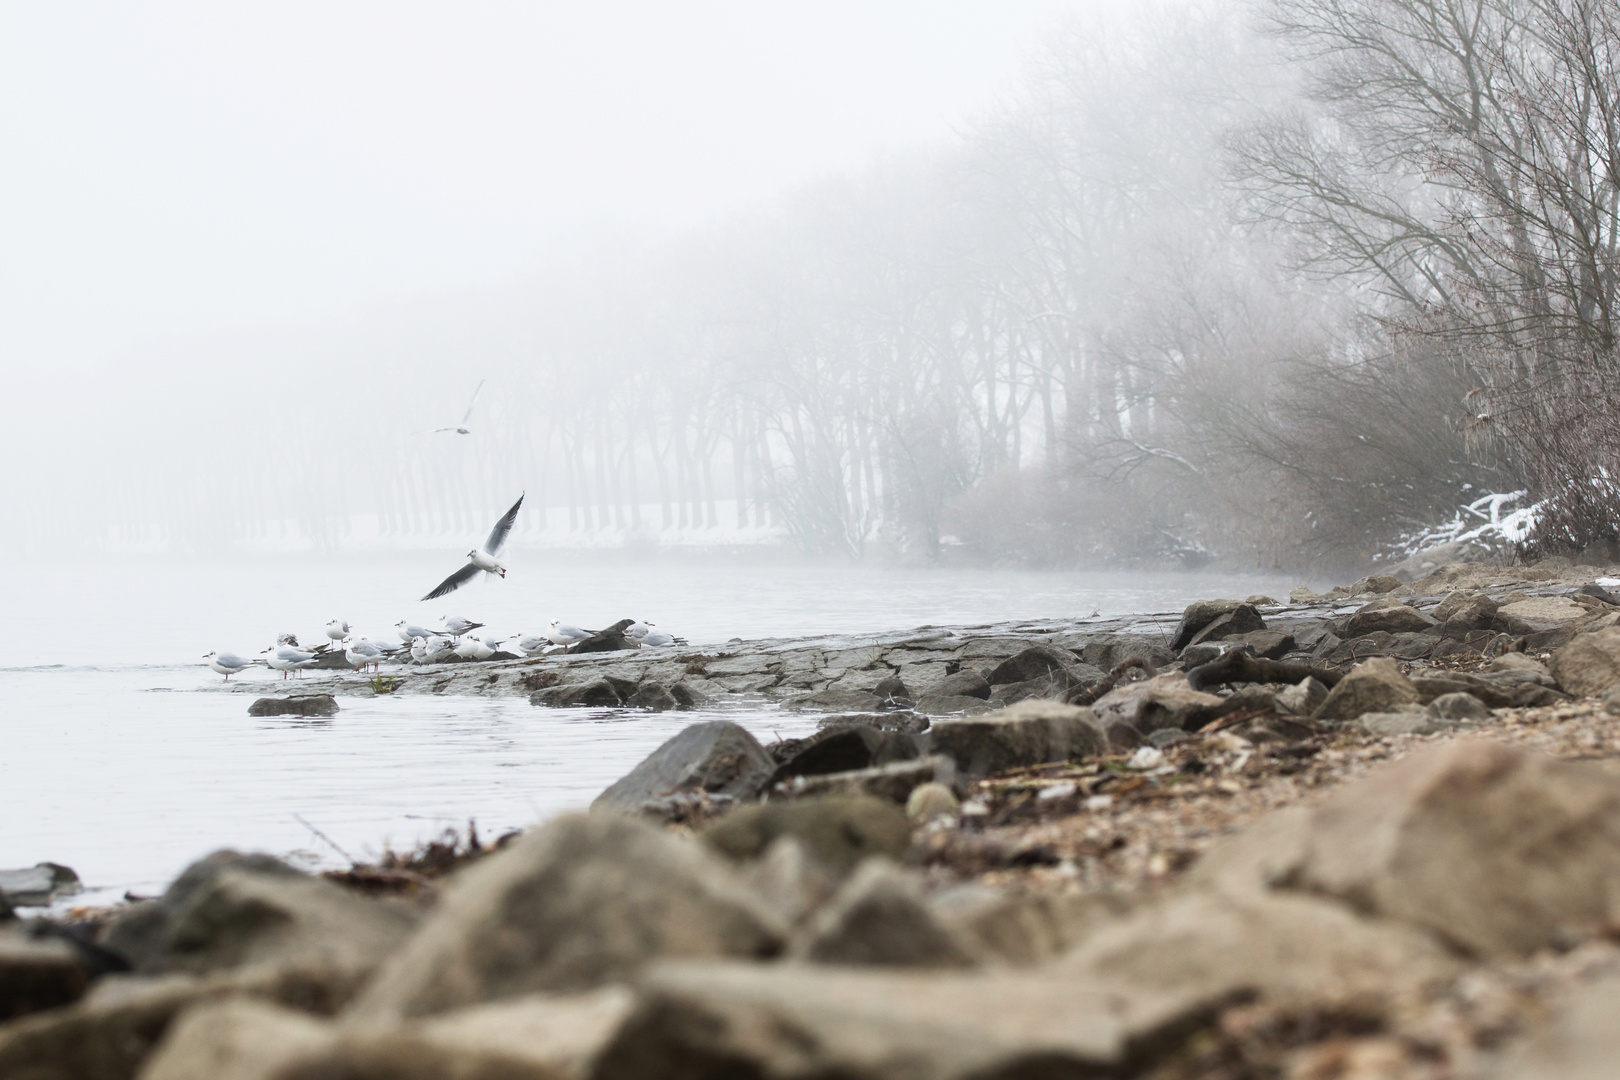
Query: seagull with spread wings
column 481, row 559
column 461, row 428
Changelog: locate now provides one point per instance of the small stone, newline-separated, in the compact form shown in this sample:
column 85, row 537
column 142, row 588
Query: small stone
column 1460, row 707
column 1388, row 618
column 299, row 705
column 1372, row 686
column 1303, row 697
column 930, row 801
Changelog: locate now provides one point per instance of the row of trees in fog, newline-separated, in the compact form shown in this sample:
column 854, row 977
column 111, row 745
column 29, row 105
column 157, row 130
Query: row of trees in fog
column 1279, row 283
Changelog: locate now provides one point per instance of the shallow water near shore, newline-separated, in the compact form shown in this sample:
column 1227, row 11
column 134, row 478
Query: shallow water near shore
column 115, row 765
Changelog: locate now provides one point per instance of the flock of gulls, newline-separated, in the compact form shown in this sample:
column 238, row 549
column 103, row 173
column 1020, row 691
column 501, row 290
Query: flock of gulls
column 431, row 645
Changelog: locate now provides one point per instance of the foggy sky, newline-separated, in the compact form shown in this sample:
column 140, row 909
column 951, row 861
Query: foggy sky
column 174, row 171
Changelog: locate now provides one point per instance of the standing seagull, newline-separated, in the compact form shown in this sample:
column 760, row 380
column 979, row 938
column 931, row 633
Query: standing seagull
column 480, row 559
column 228, row 663
column 337, row 629
column 461, row 428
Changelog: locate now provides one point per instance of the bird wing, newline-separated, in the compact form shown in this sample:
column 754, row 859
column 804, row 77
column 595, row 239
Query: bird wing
column 453, row 582
column 497, row 535
column 470, row 404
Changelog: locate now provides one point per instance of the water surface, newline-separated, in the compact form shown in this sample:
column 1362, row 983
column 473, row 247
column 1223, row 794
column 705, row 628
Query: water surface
column 115, row 765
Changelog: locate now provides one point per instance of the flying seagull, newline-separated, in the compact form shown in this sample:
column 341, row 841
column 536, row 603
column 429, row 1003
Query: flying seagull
column 480, row 559
column 461, row 428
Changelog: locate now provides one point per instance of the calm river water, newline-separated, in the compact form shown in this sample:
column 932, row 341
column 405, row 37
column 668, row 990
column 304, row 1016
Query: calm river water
column 114, row 765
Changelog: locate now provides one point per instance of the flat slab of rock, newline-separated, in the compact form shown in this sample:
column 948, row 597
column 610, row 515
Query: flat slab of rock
column 793, row 1020
column 1390, row 619
column 718, row 757
column 1539, row 613
column 1028, row 733
column 297, row 705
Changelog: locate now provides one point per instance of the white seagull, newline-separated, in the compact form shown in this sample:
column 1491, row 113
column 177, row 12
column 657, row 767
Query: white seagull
column 365, row 651
column 337, row 629
column 457, row 626
column 228, row 663
column 285, row 658
column 562, row 633
column 638, row 630
column 428, row 650
column 480, row 559
column 473, row 647
column 528, row 644
column 654, row 639
column 461, row 428
column 409, row 631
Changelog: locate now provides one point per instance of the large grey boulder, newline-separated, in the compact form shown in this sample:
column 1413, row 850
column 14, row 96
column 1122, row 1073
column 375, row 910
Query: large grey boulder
column 1028, row 733
column 1375, row 685
column 845, row 749
column 1241, row 620
column 717, row 757
column 811, row 1020
column 582, row 901
column 1037, row 662
column 1199, row 614
column 230, row 910
column 1495, row 849
column 965, row 683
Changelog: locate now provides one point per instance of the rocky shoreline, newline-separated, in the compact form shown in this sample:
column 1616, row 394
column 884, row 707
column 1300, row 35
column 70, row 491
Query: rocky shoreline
column 1373, row 833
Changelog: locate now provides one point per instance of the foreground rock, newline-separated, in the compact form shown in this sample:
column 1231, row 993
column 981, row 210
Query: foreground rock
column 880, row 918
column 528, row 1038
column 792, row 1020
column 231, row 910
column 716, row 758
column 580, row 902
column 37, row 974
column 1494, row 849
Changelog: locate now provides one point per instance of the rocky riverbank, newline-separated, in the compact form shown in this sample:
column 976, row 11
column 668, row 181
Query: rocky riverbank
column 1374, row 833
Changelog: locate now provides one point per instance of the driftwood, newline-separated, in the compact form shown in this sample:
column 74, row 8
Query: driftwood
column 1238, row 666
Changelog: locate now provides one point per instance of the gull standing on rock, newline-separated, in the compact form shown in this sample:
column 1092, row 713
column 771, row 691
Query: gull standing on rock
column 286, row 658
column 562, row 633
column 480, row 559
column 473, row 647
column 365, row 651
column 337, row 629
column 228, row 663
